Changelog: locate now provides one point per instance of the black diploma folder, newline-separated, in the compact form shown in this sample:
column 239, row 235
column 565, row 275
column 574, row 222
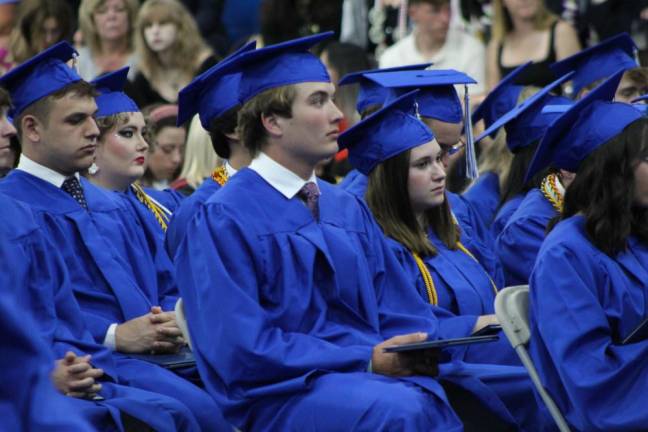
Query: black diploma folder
column 442, row 343
column 638, row 334
column 184, row 358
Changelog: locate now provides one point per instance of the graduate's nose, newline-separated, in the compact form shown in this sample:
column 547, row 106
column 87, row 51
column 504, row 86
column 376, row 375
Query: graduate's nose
column 336, row 114
column 92, row 131
column 143, row 145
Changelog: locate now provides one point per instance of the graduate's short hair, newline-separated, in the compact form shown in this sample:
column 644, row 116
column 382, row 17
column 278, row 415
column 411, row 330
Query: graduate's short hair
column 219, row 127
column 604, row 189
column 388, row 198
column 42, row 108
column 110, row 121
column 278, row 101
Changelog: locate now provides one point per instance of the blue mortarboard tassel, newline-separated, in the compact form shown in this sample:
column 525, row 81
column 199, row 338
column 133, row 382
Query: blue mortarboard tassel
column 472, row 172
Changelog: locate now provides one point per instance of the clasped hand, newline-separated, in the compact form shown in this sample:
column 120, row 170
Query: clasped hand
column 156, row 332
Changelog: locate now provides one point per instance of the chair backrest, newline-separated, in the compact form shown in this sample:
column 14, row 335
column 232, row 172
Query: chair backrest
column 512, row 310
column 181, row 320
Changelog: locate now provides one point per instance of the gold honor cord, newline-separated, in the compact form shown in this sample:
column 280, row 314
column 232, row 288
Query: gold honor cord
column 427, row 278
column 220, row 175
column 463, row 249
column 550, row 188
column 161, row 214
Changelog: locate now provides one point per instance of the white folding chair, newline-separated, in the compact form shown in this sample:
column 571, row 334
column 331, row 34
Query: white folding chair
column 181, row 320
column 512, row 310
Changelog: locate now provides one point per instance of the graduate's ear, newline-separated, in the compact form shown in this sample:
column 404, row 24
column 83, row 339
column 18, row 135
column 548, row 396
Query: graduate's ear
column 272, row 124
column 233, row 136
column 31, row 127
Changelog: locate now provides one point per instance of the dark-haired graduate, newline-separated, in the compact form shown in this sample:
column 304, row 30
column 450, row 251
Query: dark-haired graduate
column 508, row 97
column 440, row 108
column 406, row 195
column 590, row 282
column 214, row 96
column 284, row 278
column 113, row 274
column 33, row 275
column 525, row 125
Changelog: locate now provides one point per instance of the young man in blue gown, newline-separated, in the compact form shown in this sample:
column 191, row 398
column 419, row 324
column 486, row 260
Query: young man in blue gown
column 289, row 283
column 122, row 296
column 214, row 96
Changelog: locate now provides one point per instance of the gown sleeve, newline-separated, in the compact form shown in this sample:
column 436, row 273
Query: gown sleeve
column 598, row 384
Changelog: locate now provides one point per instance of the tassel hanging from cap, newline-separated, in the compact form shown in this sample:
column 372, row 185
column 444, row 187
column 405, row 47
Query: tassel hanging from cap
column 471, row 156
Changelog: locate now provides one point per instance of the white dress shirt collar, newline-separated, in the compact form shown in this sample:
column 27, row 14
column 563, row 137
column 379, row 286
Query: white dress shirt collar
column 42, row 172
column 229, row 169
column 279, row 177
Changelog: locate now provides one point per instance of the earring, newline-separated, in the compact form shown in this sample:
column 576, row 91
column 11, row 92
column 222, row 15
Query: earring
column 94, row 169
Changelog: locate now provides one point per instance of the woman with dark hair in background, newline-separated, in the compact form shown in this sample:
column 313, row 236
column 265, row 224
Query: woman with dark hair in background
column 167, row 146
column 40, row 24
column 340, row 59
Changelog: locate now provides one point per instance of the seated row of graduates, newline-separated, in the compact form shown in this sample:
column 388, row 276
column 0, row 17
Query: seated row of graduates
column 289, row 309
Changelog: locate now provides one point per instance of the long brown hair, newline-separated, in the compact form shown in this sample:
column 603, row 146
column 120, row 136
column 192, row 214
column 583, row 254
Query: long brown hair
column 388, row 198
column 188, row 43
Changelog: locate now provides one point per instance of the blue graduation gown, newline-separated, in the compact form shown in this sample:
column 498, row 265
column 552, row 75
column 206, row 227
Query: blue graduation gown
column 582, row 304
column 463, row 289
column 484, row 196
column 112, row 276
column 519, row 242
column 32, row 272
column 504, row 214
column 284, row 312
column 474, row 234
column 301, row 305
column 28, row 400
column 178, row 226
column 169, row 198
column 465, row 292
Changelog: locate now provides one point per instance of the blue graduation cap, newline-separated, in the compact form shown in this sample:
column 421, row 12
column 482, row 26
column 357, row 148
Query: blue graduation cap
column 278, row 65
column 437, row 97
column 389, row 131
column 527, row 122
column 40, row 76
column 212, row 93
column 588, row 124
column 112, row 99
column 370, row 92
column 501, row 99
column 597, row 62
